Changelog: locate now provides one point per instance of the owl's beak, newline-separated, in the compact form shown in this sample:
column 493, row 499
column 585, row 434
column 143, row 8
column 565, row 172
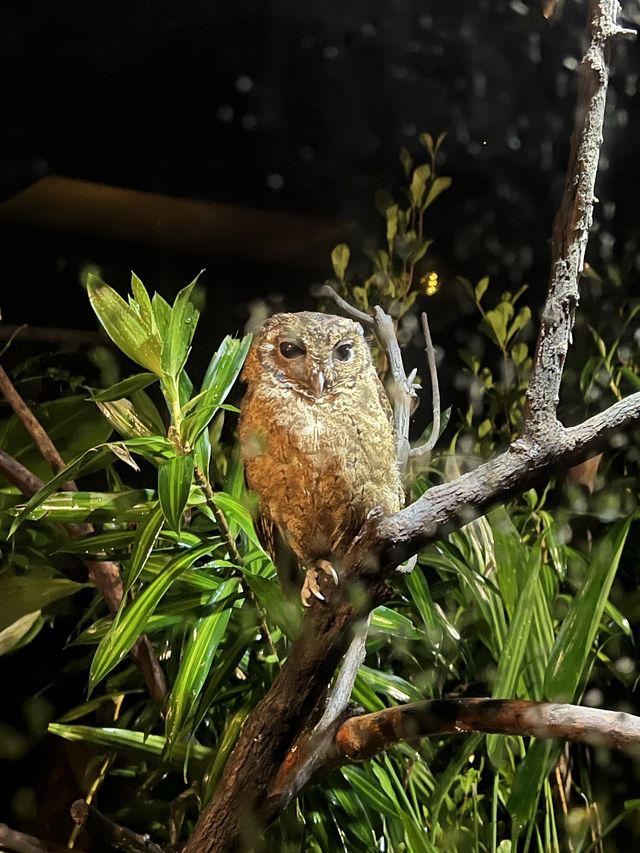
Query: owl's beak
column 318, row 382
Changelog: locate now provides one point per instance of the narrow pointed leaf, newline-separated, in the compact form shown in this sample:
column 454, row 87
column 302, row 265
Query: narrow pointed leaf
column 571, row 650
column 138, row 743
column 125, row 326
column 182, row 325
column 123, row 389
column 218, row 381
column 143, row 544
column 174, row 482
column 120, row 640
column 205, row 636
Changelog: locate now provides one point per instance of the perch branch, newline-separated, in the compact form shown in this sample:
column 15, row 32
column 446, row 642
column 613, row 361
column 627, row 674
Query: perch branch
column 241, row 803
column 427, row 447
column 104, row 834
column 18, row 842
column 103, row 574
column 572, row 224
column 362, row 737
column 349, row 310
column 46, row 447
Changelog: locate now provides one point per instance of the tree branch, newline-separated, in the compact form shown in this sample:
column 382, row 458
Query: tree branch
column 18, row 842
column 103, row 574
column 427, row 447
column 105, row 835
column 362, row 737
column 241, row 803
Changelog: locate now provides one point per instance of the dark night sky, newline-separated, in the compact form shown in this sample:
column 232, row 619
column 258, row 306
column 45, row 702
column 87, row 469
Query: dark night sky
column 301, row 107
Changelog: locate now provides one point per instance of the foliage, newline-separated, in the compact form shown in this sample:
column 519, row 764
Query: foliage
column 522, row 603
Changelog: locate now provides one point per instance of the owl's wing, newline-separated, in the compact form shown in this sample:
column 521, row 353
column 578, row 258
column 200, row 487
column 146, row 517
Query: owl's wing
column 281, row 555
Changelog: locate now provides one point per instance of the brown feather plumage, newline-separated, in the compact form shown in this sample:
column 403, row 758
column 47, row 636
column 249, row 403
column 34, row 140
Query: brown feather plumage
column 316, row 433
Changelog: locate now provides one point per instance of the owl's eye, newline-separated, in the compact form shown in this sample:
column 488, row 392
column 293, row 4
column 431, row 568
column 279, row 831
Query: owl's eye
column 290, row 350
column 343, row 351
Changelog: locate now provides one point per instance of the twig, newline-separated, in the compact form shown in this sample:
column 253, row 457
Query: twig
column 33, row 426
column 103, row 574
column 107, row 835
column 359, row 738
column 18, row 842
column 236, row 557
column 427, row 447
column 346, row 308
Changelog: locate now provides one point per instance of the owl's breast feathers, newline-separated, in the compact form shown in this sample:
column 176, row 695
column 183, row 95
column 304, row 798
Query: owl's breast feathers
column 320, row 466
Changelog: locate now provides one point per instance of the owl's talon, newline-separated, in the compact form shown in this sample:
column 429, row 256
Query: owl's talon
column 328, row 569
column 310, row 587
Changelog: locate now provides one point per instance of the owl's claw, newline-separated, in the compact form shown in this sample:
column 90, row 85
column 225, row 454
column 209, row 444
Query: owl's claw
column 310, row 586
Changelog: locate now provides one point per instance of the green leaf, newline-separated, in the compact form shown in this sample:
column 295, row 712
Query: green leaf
column 571, row 651
column 174, row 482
column 406, row 160
column 15, row 635
column 182, row 325
column 94, row 506
column 143, row 544
column 73, row 424
column 120, row 640
column 421, row 175
column 123, row 389
column 221, row 374
column 204, row 638
column 124, row 418
column 138, row 743
column 481, row 288
column 528, row 781
column 370, row 794
column 392, row 686
column 22, row 595
column 161, row 314
column 390, row 622
column 142, row 301
column 93, row 459
column 285, row 614
column 513, row 651
column 340, row 260
column 419, row 591
column 125, row 326
column 436, row 188
column 237, row 513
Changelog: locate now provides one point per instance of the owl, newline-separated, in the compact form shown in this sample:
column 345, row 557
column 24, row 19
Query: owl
column 316, row 437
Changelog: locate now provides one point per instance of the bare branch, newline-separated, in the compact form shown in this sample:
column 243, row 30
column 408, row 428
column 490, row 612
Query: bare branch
column 571, row 225
column 33, row 426
column 359, row 738
column 107, row 835
column 18, row 842
column 103, row 574
column 347, row 309
column 427, row 447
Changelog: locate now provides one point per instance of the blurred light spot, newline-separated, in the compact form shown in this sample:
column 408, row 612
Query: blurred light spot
column 513, row 142
column 244, row 84
column 430, row 283
column 625, row 665
column 330, row 51
column 570, row 62
column 426, row 22
column 249, row 121
column 519, row 8
column 368, row 30
column 275, row 181
column 594, row 697
column 225, row 113
column 408, row 129
column 623, row 118
column 306, row 153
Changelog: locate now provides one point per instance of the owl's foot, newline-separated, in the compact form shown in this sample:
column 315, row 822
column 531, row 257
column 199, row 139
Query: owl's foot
column 310, row 586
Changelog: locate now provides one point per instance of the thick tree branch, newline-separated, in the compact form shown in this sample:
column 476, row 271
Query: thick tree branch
column 362, row 737
column 241, row 802
column 572, row 223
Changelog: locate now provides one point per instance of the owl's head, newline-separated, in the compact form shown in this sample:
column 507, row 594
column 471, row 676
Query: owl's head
column 313, row 354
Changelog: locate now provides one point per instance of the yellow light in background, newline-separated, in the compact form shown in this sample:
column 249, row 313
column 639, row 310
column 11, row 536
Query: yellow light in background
column 430, row 283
